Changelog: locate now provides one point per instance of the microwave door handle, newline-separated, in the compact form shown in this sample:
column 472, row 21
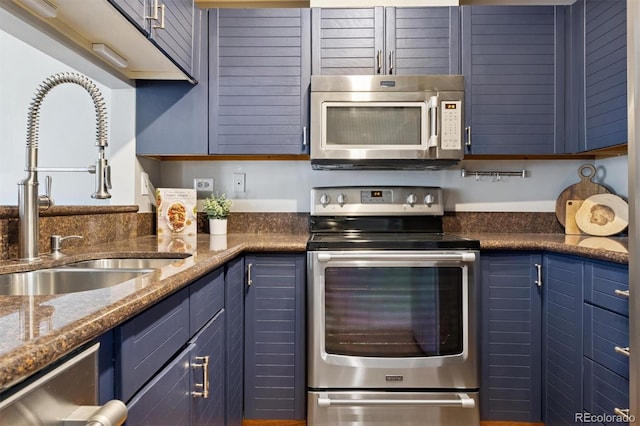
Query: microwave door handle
column 433, row 122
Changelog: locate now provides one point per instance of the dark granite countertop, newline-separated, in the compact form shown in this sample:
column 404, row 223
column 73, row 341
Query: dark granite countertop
column 38, row 330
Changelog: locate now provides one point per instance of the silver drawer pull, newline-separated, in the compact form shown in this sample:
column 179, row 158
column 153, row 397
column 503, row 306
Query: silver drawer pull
column 621, row 350
column 624, row 413
column 622, row 293
column 205, row 377
column 463, row 401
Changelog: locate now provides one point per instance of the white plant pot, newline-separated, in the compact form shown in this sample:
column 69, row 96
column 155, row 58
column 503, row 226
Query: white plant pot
column 217, row 226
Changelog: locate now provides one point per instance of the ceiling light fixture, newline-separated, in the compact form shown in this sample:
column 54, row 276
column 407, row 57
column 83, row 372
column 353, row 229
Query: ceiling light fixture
column 41, row 7
column 112, row 57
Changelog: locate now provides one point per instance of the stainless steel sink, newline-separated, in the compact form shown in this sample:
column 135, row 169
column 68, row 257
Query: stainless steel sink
column 128, row 263
column 63, row 280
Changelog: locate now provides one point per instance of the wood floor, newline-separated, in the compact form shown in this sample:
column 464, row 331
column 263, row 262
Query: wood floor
column 303, row 423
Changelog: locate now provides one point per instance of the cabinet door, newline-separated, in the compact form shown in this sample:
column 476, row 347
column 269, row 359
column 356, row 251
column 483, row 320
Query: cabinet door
column 513, row 65
column 563, row 343
column 422, row 40
column 172, row 116
column 207, row 352
column 510, row 341
column 259, row 81
column 234, row 311
column 347, row 41
column 174, row 33
column 599, row 50
column 166, row 399
column 274, row 337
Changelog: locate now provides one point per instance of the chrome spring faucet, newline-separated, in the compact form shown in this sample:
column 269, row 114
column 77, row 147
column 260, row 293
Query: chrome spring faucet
column 29, row 201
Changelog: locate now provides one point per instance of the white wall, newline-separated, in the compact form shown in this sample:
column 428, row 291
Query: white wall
column 67, row 118
column 285, row 185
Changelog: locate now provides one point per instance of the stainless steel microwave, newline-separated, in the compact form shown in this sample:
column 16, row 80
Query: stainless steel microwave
column 386, row 122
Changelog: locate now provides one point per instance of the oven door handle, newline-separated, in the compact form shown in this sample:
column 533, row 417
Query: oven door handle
column 456, row 256
column 463, row 401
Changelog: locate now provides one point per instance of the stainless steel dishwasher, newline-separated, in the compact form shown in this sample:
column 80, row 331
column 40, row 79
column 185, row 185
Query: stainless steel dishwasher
column 66, row 395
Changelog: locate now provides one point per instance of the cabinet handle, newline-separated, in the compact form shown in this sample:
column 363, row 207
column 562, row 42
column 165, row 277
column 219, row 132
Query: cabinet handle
column 467, row 130
column 304, row 136
column 249, row 280
column 379, row 62
column 538, row 282
column 622, row 293
column 624, row 413
column 391, row 62
column 623, row 351
column 161, row 25
column 205, row 377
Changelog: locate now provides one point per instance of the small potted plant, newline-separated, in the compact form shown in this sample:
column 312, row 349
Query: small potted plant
column 217, row 209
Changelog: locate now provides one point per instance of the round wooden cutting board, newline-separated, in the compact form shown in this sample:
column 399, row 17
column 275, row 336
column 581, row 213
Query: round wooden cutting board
column 579, row 191
column 603, row 215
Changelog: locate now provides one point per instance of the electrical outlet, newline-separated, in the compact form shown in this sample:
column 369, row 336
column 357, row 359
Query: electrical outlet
column 239, row 182
column 203, row 187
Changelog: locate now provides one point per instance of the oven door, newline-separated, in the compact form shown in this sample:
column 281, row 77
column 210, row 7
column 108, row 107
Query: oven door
column 392, row 319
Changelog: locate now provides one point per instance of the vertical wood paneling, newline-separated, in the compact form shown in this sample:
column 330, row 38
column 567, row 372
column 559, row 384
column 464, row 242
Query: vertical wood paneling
column 262, row 81
column 510, row 338
column 605, row 73
column 563, row 293
column 514, row 78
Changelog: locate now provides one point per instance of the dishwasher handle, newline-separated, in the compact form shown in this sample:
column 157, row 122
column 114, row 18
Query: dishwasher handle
column 113, row 413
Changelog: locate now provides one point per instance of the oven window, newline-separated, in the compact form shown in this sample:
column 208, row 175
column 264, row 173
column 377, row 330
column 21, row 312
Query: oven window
column 393, row 312
column 379, row 125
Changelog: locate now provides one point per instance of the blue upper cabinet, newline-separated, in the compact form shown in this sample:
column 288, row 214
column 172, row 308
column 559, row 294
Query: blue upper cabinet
column 404, row 41
column 513, row 65
column 597, row 113
column 169, row 26
column 172, row 116
column 259, row 79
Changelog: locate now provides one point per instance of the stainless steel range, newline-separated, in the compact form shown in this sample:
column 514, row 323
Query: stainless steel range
column 392, row 311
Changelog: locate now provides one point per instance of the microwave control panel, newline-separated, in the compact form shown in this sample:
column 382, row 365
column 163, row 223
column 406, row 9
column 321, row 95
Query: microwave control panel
column 451, row 132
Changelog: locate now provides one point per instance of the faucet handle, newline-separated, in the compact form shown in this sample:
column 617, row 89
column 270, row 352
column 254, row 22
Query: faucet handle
column 46, row 201
column 56, row 242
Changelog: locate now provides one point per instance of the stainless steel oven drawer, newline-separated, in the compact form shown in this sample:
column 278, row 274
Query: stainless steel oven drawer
column 355, row 408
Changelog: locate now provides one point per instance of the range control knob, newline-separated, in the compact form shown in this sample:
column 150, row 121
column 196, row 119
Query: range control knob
column 412, row 199
column 341, row 199
column 325, row 199
column 429, row 199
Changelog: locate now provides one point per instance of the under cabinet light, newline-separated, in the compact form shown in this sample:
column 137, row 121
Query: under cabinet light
column 41, row 7
column 106, row 53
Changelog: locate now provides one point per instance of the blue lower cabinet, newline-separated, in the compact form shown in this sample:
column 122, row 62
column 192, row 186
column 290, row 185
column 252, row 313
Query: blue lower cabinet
column 562, row 339
column 510, row 341
column 234, row 312
column 208, row 374
column 274, row 371
column 604, row 391
column 165, row 400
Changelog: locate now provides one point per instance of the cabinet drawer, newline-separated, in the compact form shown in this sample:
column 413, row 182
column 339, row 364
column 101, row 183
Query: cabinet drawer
column 603, row 331
column 604, row 391
column 601, row 282
column 147, row 341
column 206, row 298
column 162, row 401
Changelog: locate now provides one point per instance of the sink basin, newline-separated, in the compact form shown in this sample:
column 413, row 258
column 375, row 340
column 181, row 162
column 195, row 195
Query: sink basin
column 130, row 263
column 60, row 281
